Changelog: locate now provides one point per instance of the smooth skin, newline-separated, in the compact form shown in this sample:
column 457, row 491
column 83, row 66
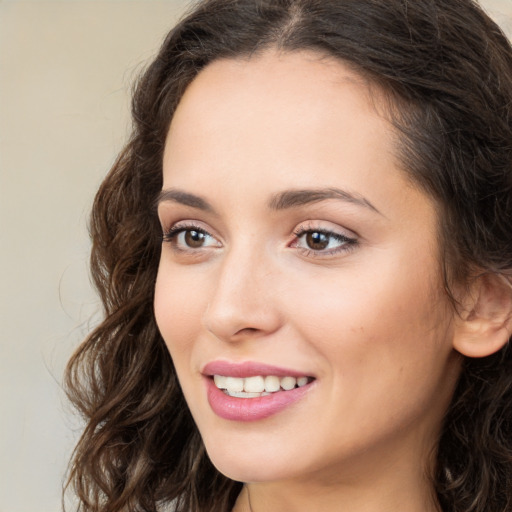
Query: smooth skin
column 347, row 289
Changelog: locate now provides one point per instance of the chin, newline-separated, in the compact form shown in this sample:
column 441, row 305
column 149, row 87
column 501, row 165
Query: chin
column 250, row 465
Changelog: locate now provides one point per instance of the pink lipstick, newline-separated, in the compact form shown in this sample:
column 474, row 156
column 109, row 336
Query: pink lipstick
column 252, row 391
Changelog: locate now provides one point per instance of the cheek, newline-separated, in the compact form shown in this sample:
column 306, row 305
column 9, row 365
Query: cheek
column 387, row 351
column 381, row 321
column 366, row 302
column 178, row 304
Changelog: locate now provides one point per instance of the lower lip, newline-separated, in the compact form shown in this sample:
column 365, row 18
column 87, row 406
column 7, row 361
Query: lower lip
column 251, row 409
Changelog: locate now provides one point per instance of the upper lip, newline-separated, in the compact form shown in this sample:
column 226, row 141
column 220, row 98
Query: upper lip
column 248, row 369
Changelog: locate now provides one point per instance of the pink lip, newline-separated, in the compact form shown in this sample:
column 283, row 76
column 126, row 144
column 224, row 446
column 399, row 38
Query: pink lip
column 250, row 409
column 248, row 369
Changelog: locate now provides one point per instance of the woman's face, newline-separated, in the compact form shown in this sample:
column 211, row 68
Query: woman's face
column 297, row 253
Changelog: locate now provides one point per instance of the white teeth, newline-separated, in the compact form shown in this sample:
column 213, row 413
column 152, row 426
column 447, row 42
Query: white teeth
column 244, row 394
column 254, row 384
column 258, row 385
column 234, row 384
column 272, row 383
column 220, row 381
column 288, row 383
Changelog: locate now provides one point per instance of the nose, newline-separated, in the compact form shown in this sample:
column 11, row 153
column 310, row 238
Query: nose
column 244, row 300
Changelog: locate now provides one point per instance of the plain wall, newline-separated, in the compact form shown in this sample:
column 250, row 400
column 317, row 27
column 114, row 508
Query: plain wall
column 65, row 74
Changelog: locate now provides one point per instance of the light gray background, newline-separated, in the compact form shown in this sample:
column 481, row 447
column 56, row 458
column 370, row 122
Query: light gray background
column 65, row 74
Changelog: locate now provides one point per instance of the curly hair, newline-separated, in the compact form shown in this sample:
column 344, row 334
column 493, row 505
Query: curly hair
column 447, row 69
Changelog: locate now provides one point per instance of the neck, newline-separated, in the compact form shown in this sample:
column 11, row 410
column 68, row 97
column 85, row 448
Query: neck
column 261, row 498
column 393, row 485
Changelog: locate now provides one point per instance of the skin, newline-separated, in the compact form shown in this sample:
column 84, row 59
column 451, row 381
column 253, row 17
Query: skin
column 369, row 320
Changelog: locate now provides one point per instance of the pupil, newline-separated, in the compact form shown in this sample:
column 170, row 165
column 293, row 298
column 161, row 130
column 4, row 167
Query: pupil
column 194, row 238
column 317, row 241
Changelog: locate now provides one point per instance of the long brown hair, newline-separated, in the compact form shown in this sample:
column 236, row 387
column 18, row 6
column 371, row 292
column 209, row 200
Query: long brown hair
column 448, row 70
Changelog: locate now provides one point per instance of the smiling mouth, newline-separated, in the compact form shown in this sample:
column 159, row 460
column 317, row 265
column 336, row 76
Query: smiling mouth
column 258, row 385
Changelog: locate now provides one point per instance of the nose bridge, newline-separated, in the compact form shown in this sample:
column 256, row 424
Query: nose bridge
column 242, row 299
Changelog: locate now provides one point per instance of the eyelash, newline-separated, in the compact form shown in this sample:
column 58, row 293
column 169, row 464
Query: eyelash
column 346, row 243
column 170, row 235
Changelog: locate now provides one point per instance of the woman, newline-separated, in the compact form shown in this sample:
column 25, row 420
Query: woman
column 304, row 253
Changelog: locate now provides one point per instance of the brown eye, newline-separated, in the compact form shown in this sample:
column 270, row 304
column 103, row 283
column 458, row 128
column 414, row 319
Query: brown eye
column 317, row 240
column 322, row 243
column 190, row 238
column 194, row 239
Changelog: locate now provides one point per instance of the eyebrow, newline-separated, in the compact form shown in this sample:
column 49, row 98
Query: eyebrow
column 181, row 197
column 281, row 201
column 295, row 198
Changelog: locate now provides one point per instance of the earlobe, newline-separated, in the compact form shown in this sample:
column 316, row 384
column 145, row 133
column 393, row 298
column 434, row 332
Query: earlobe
column 484, row 324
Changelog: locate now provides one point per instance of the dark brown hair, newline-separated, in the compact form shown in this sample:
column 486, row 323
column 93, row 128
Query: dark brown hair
column 448, row 70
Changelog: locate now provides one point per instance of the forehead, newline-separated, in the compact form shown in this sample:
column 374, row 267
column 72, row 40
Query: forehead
column 293, row 102
column 297, row 74
column 284, row 78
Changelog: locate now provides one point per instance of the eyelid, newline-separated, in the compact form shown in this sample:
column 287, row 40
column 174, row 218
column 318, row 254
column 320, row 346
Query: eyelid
column 182, row 224
column 325, row 227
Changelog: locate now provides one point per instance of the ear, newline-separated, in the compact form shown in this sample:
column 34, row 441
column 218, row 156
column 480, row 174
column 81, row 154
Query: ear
column 484, row 325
